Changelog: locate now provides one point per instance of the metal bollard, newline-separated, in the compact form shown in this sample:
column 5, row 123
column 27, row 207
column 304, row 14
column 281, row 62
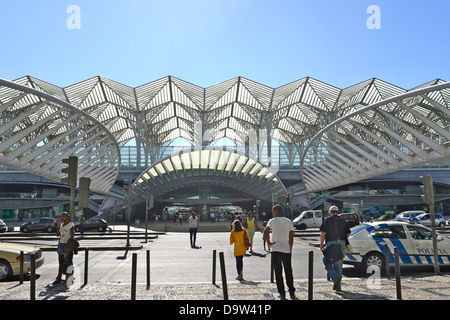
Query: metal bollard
column 133, row 276
column 397, row 274
column 86, row 265
column 214, row 267
column 33, row 277
column 21, row 267
column 224, row 276
column 386, row 256
column 310, row 274
column 148, row 269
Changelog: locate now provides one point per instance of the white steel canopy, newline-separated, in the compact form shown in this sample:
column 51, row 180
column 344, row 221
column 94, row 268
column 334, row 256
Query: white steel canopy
column 163, row 110
column 208, row 167
column 397, row 133
column 157, row 113
column 38, row 130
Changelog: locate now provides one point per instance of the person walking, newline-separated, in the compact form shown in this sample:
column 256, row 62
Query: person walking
column 282, row 241
column 82, row 222
column 193, row 226
column 250, row 224
column 334, row 231
column 64, row 231
column 237, row 238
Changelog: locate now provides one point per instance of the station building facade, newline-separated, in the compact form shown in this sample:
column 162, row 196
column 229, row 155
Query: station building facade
column 363, row 147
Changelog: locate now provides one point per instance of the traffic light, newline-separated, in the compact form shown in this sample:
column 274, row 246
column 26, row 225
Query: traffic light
column 84, row 192
column 427, row 189
column 254, row 208
column 71, row 171
column 166, row 210
column 127, row 187
column 288, row 201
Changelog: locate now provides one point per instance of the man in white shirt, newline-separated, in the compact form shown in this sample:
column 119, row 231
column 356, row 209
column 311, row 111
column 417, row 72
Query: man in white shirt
column 282, row 240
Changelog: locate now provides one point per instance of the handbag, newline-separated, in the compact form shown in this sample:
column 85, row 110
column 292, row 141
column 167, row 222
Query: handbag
column 333, row 252
column 246, row 240
column 72, row 244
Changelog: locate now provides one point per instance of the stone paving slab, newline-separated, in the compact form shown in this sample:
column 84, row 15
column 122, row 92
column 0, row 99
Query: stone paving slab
column 423, row 287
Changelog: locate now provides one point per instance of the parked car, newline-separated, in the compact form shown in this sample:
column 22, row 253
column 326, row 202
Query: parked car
column 386, row 217
column 44, row 224
column 406, row 215
column 10, row 259
column 3, row 226
column 93, row 224
column 425, row 219
column 308, row 219
column 352, row 219
column 413, row 240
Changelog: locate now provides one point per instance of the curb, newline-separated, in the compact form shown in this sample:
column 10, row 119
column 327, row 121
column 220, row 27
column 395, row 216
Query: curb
column 97, row 248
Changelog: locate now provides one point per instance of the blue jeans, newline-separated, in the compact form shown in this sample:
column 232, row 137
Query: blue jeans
column 334, row 270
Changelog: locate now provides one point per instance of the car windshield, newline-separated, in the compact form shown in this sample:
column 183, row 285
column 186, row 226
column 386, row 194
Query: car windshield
column 306, row 215
column 421, row 216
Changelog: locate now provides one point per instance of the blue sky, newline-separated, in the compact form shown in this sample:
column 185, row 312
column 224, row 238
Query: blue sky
column 209, row 41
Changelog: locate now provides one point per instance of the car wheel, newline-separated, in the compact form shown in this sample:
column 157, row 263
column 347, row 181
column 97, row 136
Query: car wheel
column 49, row 229
column 302, row 226
column 5, row 270
column 26, row 230
column 101, row 229
column 441, row 225
column 372, row 261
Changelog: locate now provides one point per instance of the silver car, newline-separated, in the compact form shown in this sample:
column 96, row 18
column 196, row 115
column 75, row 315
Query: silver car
column 405, row 215
column 3, row 227
column 425, row 219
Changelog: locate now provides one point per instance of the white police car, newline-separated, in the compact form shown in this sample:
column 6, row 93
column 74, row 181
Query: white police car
column 414, row 242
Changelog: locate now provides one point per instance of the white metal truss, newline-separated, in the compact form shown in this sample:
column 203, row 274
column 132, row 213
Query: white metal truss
column 404, row 131
column 163, row 110
column 384, row 138
column 38, row 130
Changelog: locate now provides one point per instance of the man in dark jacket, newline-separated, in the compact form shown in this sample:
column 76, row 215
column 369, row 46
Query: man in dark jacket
column 334, row 231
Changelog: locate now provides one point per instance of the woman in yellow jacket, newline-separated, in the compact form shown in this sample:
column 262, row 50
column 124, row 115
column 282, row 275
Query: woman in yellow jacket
column 237, row 237
column 250, row 224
